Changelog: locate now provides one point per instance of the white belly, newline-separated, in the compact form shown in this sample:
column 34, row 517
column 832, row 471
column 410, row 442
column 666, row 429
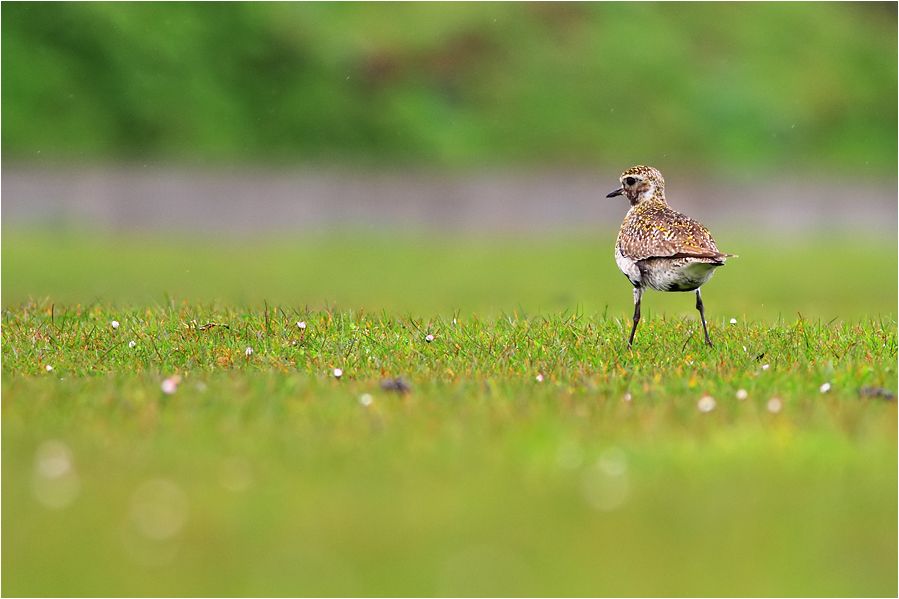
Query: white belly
column 677, row 275
column 666, row 274
column 628, row 267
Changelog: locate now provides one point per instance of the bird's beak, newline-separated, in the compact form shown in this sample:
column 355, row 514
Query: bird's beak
column 617, row 192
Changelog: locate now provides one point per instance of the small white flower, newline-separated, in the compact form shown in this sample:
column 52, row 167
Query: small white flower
column 48, row 368
column 628, row 397
column 733, row 321
column 170, row 385
column 366, row 399
column 775, row 405
column 132, row 343
column 825, row 388
column 766, row 366
column 338, row 373
column 429, row 337
column 301, row 325
column 115, row 324
column 742, row 394
column 248, row 352
column 539, row 378
column 706, row 403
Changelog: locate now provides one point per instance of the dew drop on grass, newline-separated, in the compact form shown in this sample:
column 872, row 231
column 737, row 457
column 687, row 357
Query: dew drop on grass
column 569, row 455
column 706, row 403
column 54, row 484
column 775, row 405
column 235, row 474
column 606, row 487
column 53, row 459
column 159, row 509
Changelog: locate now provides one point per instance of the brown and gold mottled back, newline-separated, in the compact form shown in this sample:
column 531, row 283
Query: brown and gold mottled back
column 653, row 229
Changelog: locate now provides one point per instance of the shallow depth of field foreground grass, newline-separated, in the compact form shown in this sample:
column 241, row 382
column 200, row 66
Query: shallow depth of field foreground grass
column 832, row 275
column 264, row 474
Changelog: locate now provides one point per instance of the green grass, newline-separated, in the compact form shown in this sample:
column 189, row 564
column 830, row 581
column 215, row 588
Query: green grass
column 839, row 276
column 272, row 478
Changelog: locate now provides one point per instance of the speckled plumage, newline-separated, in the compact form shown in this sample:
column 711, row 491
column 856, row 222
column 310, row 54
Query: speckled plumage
column 657, row 246
column 652, row 229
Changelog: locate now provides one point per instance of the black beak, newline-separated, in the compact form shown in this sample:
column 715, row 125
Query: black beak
column 617, row 192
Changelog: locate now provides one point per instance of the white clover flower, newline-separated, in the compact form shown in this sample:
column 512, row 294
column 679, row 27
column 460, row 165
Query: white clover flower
column 539, row 378
column 775, row 405
column 824, row 388
column 48, row 368
column 742, row 394
column 170, row 385
column 248, row 352
column 366, row 399
column 115, row 324
column 338, row 372
column 706, row 403
column 766, row 366
column 733, row 321
column 429, row 337
column 301, row 325
column 628, row 397
column 132, row 343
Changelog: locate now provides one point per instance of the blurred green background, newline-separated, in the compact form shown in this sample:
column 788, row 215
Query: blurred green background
column 735, row 86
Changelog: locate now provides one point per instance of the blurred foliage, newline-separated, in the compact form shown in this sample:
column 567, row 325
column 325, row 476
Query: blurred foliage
column 741, row 86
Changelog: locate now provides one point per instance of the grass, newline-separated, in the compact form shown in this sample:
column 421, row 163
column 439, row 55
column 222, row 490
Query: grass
column 830, row 276
column 266, row 475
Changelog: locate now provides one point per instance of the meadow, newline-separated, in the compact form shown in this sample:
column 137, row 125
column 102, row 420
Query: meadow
column 328, row 408
column 207, row 446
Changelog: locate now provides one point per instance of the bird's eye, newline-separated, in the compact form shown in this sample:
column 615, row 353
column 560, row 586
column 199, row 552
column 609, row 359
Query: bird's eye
column 629, row 181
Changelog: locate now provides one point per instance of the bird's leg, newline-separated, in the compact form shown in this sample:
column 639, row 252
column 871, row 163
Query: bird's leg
column 638, row 293
column 699, row 307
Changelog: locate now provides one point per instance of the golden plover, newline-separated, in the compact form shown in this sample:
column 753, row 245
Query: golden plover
column 661, row 248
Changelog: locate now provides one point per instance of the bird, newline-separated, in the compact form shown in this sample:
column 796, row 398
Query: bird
column 660, row 248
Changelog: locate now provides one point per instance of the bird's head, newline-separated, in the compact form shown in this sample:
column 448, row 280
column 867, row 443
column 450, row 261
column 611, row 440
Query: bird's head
column 639, row 184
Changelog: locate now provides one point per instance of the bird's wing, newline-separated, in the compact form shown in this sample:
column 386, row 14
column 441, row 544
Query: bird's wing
column 660, row 232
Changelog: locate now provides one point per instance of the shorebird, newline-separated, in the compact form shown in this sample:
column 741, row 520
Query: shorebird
column 661, row 248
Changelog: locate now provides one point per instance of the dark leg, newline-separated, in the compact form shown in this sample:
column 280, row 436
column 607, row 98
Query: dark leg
column 638, row 293
column 702, row 317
